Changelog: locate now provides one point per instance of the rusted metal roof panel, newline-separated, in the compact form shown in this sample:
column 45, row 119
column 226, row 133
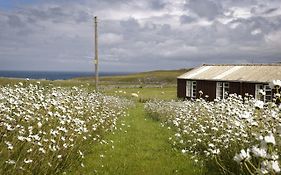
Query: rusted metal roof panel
column 263, row 73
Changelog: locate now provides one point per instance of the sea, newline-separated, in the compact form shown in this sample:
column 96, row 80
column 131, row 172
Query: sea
column 54, row 75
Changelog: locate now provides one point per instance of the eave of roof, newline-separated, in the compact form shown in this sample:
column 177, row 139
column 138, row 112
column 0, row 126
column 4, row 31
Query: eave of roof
column 262, row 73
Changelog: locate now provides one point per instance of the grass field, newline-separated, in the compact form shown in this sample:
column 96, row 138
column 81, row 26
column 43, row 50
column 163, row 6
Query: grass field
column 140, row 146
column 148, row 85
column 160, row 77
column 47, row 130
column 147, row 82
column 145, row 94
column 169, row 136
column 62, row 83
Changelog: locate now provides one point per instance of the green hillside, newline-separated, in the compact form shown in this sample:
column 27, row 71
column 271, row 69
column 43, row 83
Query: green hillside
column 151, row 77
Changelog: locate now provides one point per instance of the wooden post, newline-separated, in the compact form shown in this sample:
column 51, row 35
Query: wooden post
column 96, row 61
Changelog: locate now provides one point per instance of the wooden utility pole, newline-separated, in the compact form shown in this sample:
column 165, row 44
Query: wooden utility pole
column 96, row 61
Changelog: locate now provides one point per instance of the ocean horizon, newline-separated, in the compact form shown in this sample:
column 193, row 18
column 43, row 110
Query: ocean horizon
column 54, row 75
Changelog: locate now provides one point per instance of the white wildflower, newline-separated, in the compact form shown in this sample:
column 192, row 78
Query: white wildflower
column 81, row 154
column 243, row 155
column 21, row 138
column 245, row 115
column 262, row 92
column 10, row 161
column 275, row 166
column 269, row 166
column 259, row 104
column 42, row 150
column 215, row 151
column 10, row 146
column 27, row 161
column 277, row 83
column 39, row 124
column 135, row 95
column 64, row 145
column 270, row 139
column 259, row 152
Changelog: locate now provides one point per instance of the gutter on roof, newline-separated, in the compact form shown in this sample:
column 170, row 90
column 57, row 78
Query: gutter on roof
column 265, row 64
column 224, row 80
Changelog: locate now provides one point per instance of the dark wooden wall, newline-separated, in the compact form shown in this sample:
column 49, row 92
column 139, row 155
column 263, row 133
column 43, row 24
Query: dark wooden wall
column 181, row 88
column 207, row 87
column 249, row 88
column 241, row 88
column 235, row 88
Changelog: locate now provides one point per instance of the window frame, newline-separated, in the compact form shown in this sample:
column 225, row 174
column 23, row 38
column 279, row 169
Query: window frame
column 191, row 88
column 222, row 87
column 268, row 92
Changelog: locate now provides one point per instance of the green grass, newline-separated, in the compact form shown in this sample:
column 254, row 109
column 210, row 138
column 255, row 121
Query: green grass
column 147, row 93
column 145, row 80
column 141, row 147
column 152, row 77
column 63, row 83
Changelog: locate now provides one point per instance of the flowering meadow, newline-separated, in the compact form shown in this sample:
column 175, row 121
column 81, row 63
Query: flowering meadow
column 46, row 129
column 235, row 135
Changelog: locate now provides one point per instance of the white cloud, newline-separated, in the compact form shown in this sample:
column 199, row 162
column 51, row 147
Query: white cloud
column 273, row 40
column 110, row 39
column 139, row 35
column 238, row 12
column 256, row 32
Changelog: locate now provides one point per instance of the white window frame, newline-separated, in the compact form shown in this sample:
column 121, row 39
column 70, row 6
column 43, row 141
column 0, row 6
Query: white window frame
column 188, row 88
column 191, row 89
column 221, row 89
column 268, row 92
column 258, row 87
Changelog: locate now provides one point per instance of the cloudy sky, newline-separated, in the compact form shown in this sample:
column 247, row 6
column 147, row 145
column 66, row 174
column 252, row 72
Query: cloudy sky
column 137, row 35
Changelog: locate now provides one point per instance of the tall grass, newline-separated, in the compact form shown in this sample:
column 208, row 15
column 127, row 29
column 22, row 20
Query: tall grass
column 45, row 129
column 230, row 136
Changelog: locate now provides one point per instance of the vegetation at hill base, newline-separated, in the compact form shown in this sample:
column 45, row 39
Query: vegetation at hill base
column 159, row 77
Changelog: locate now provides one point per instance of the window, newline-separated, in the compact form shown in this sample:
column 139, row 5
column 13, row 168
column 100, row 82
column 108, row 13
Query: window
column 258, row 95
column 219, row 91
column 188, row 88
column 267, row 92
column 222, row 90
column 191, row 89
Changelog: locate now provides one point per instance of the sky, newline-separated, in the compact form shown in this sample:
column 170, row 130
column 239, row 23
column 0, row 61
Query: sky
column 137, row 35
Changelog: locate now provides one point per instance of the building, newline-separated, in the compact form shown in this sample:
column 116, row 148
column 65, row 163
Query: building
column 218, row 80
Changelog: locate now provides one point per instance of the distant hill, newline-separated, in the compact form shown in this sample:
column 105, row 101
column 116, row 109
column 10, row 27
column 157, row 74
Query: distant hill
column 151, row 77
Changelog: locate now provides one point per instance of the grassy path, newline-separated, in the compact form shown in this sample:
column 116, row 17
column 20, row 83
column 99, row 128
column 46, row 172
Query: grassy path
column 141, row 147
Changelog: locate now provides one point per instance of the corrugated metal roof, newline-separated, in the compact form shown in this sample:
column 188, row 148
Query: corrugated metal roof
column 236, row 72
